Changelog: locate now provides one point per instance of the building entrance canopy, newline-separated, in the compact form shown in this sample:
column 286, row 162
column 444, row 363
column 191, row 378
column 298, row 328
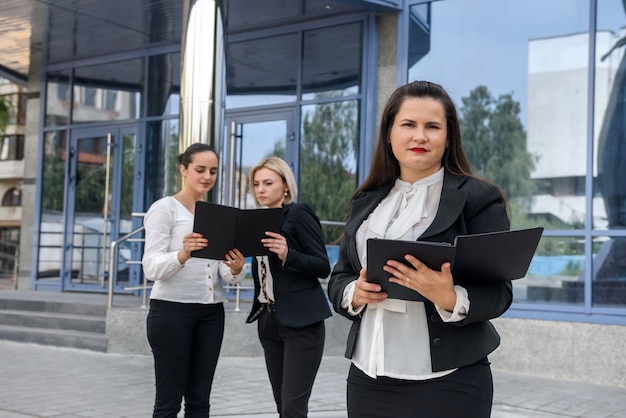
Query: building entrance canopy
column 83, row 30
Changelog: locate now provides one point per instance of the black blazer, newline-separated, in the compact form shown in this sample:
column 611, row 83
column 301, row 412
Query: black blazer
column 467, row 206
column 299, row 297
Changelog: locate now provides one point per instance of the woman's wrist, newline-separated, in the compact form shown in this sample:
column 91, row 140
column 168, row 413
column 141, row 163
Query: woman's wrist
column 183, row 257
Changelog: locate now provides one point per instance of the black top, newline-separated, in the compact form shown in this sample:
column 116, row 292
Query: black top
column 299, row 297
column 467, row 206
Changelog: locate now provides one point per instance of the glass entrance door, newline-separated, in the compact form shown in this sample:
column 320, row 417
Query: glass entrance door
column 250, row 137
column 100, row 194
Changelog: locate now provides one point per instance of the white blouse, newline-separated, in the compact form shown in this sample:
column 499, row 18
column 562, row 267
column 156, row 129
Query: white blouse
column 198, row 280
column 393, row 336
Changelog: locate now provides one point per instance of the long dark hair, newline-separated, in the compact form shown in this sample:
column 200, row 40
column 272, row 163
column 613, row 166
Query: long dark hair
column 385, row 167
column 186, row 157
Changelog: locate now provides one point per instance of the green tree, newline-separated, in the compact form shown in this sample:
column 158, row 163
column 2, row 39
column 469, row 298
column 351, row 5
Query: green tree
column 5, row 113
column 53, row 182
column 495, row 141
column 327, row 160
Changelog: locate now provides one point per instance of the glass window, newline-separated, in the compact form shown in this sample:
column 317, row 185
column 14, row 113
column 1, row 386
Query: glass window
column 12, row 148
column 259, row 138
column 13, row 197
column 9, row 243
column 93, row 86
column 328, row 161
column 262, row 71
column 163, row 85
column 335, row 71
column 609, row 206
column 518, row 71
column 52, row 191
column 555, row 274
column 161, row 178
column 58, row 98
column 22, row 102
column 609, row 271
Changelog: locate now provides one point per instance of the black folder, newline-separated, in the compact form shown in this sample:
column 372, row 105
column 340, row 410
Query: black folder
column 475, row 259
column 226, row 228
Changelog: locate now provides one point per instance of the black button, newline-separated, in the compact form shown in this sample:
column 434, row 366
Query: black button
column 437, row 341
column 434, row 318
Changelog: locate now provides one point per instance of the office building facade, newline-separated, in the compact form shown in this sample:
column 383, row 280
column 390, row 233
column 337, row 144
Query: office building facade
column 117, row 89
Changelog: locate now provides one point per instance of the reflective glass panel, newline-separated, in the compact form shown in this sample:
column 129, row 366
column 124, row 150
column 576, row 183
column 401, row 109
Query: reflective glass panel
column 332, row 71
column 555, row 274
column 609, row 271
column 161, row 170
column 58, row 98
column 328, row 161
column 163, row 85
column 256, row 140
column 52, row 191
column 518, row 71
column 262, row 71
column 106, row 92
column 609, row 206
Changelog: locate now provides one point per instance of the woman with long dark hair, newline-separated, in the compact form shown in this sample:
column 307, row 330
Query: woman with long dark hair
column 419, row 359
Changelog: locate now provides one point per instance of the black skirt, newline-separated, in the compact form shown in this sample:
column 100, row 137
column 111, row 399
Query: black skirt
column 465, row 393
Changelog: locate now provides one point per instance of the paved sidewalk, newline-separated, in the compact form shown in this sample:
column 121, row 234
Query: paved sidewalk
column 43, row 381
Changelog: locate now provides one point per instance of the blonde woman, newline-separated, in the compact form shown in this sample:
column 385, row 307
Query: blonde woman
column 289, row 302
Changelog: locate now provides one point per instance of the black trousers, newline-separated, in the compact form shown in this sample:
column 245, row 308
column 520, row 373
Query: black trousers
column 467, row 393
column 186, row 339
column 292, row 358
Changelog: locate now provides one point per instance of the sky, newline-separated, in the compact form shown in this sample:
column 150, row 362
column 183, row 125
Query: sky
column 485, row 42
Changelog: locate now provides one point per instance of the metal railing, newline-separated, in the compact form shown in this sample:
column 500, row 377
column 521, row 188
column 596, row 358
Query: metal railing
column 128, row 237
column 113, row 272
column 10, row 254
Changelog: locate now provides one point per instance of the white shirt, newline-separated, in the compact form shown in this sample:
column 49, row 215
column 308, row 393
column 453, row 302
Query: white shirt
column 393, row 335
column 269, row 280
column 198, row 280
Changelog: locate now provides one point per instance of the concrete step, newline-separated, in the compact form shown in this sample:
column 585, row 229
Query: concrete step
column 53, row 320
column 79, row 321
column 55, row 337
column 52, row 306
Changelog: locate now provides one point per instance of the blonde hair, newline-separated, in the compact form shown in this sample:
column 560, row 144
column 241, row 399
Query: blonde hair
column 280, row 167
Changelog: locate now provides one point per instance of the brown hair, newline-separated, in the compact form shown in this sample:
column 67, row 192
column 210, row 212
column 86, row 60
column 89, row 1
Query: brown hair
column 186, row 157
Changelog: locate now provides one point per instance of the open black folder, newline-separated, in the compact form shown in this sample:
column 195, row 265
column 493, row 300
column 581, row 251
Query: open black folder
column 226, row 228
column 475, row 259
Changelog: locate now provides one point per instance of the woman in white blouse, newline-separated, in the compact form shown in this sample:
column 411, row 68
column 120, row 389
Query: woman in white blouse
column 185, row 322
column 419, row 359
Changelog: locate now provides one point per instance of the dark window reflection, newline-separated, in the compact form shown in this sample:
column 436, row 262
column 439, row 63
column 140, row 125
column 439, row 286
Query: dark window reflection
column 609, row 271
column 58, row 98
column 9, row 243
column 161, row 160
column 262, row 71
column 12, row 197
column 12, row 147
column 419, row 32
column 332, row 71
column 163, row 85
column 94, row 86
column 609, row 263
column 610, row 40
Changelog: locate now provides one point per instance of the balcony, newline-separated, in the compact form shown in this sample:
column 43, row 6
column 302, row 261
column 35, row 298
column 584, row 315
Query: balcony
column 11, row 169
column 10, row 214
